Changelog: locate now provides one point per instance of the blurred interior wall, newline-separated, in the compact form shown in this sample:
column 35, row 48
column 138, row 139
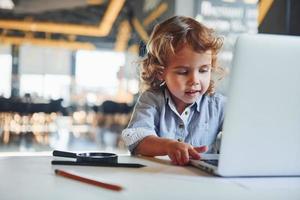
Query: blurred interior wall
column 42, row 60
column 5, row 49
column 185, row 8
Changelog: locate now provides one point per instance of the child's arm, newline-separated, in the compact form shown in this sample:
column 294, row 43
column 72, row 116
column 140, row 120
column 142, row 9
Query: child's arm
column 178, row 152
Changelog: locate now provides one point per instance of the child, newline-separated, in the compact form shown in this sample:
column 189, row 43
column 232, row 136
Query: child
column 179, row 114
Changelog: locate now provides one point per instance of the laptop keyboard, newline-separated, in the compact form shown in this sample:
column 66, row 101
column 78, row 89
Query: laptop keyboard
column 212, row 162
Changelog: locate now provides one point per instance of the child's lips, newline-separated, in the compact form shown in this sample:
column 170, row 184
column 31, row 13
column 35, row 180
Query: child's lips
column 192, row 92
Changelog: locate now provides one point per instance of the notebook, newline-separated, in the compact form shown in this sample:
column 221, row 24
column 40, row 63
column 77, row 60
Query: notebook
column 261, row 130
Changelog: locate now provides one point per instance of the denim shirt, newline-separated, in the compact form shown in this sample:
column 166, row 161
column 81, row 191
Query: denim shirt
column 155, row 114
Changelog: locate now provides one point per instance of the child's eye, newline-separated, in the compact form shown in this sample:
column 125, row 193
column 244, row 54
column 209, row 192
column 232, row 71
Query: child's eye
column 203, row 70
column 181, row 72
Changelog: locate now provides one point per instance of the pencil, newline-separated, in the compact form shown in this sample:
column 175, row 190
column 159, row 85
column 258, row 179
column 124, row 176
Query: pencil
column 88, row 181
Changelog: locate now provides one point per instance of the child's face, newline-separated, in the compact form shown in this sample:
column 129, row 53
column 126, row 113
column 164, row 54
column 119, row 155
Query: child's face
column 187, row 75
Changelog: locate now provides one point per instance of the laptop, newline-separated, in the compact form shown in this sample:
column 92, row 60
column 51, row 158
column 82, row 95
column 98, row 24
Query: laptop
column 261, row 130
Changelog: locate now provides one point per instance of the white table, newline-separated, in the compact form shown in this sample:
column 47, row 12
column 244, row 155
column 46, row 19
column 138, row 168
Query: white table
column 32, row 177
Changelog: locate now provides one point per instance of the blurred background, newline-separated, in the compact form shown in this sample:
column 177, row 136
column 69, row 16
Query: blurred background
column 69, row 74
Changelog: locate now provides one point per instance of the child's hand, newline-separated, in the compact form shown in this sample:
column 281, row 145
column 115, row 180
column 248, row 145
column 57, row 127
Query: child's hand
column 180, row 152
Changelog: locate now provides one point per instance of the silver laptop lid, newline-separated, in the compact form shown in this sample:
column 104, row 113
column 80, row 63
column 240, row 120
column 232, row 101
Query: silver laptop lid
column 261, row 132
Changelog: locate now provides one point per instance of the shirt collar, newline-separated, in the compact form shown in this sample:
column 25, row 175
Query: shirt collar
column 169, row 99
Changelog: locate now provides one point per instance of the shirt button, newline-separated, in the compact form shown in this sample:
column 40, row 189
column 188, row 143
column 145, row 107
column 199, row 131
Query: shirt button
column 186, row 112
column 181, row 126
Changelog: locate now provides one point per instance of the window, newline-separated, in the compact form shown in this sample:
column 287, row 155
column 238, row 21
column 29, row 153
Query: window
column 31, row 83
column 5, row 75
column 46, row 86
column 97, row 70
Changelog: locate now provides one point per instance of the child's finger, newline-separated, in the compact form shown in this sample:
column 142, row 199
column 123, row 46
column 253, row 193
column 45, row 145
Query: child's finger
column 184, row 157
column 201, row 149
column 178, row 157
column 173, row 159
column 194, row 154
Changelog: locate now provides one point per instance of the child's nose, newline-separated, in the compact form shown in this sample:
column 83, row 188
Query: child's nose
column 194, row 79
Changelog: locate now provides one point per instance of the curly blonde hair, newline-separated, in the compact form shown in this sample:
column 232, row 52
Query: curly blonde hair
column 168, row 38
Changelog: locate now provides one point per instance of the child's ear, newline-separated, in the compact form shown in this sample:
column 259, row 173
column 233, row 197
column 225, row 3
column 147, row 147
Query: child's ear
column 160, row 76
column 161, row 80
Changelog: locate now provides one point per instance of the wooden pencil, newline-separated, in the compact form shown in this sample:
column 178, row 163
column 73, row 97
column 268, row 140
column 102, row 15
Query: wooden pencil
column 88, row 181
